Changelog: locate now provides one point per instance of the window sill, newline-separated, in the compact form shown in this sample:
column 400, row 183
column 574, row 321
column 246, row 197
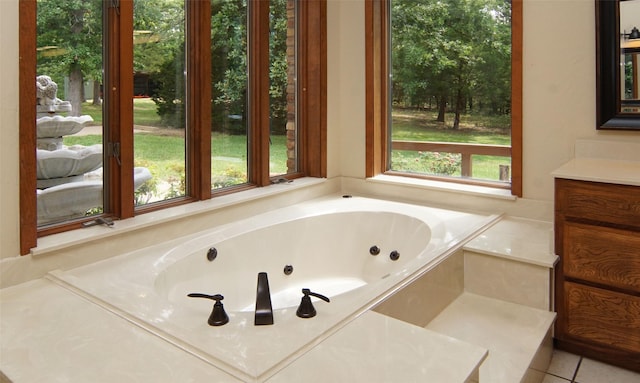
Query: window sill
column 481, row 191
column 56, row 242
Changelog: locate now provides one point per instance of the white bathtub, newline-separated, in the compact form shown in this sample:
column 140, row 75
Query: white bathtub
column 326, row 241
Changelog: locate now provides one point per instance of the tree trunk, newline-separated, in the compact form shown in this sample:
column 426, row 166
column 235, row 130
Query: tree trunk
column 97, row 99
column 76, row 91
column 442, row 108
column 459, row 106
column 76, row 88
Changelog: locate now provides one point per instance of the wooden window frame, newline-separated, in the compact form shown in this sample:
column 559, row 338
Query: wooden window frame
column 376, row 83
column 312, row 80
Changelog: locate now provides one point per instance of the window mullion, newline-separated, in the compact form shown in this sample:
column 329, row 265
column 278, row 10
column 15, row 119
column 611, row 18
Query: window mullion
column 118, row 109
column 312, row 81
column 198, row 99
column 28, row 202
column 376, row 14
column 259, row 92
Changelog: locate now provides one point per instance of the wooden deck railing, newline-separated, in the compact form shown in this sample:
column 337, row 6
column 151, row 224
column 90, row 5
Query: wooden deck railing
column 466, row 150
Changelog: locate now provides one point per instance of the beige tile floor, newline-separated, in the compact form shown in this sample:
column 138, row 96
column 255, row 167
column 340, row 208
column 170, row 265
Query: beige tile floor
column 566, row 367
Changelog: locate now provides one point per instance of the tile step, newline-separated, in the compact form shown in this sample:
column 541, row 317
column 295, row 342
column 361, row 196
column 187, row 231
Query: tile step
column 518, row 337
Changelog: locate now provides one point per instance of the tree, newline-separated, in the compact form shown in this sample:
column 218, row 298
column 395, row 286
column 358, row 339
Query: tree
column 169, row 94
column 278, row 78
column 70, row 44
column 159, row 51
column 229, row 62
column 229, row 65
column 158, row 28
column 452, row 51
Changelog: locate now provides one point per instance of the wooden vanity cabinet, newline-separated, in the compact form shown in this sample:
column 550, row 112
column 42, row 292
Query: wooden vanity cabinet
column 597, row 287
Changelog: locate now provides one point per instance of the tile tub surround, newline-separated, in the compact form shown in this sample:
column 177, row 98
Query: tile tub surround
column 513, row 261
column 50, row 335
column 518, row 337
column 401, row 353
column 239, row 348
column 446, row 275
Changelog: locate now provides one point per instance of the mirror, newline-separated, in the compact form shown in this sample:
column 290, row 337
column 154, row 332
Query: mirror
column 618, row 64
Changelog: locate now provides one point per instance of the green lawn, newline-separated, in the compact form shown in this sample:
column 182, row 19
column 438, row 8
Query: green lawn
column 144, row 112
column 164, row 155
column 411, row 125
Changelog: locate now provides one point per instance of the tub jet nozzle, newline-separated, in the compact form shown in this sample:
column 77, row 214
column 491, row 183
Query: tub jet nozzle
column 212, row 254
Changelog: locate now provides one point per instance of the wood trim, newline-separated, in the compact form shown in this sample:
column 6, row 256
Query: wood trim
column 376, row 87
column 199, row 99
column 312, row 87
column 27, row 134
column 118, row 109
column 258, row 92
column 516, row 97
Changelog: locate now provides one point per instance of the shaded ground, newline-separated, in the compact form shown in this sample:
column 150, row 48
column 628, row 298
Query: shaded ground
column 427, row 120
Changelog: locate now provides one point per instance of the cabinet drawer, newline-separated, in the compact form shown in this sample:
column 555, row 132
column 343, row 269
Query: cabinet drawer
column 603, row 317
column 602, row 255
column 616, row 204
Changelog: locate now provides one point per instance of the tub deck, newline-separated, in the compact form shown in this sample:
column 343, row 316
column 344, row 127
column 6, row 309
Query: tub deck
column 240, row 349
column 50, row 334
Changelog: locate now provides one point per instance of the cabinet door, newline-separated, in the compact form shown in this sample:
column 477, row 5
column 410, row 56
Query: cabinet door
column 602, row 255
column 606, row 203
column 604, row 317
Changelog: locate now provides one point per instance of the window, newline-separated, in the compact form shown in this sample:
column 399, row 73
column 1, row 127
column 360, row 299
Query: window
column 444, row 90
column 188, row 99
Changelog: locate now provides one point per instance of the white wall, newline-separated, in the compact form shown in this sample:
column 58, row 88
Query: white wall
column 559, row 97
column 9, row 164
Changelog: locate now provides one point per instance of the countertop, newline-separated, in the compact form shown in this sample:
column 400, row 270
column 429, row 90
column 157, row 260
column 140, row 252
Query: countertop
column 600, row 170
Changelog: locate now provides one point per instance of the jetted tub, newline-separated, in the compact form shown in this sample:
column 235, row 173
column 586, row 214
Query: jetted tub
column 325, row 245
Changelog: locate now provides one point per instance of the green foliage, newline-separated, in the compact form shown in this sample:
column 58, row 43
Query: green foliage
column 442, row 164
column 229, row 60
column 143, row 194
column 69, row 43
column 452, row 53
column 69, row 35
column 229, row 82
column 94, row 211
column 159, row 51
column 278, row 79
column 230, row 177
column 158, row 30
column 432, row 163
column 170, row 90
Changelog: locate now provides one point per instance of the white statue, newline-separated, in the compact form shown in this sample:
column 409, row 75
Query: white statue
column 46, row 91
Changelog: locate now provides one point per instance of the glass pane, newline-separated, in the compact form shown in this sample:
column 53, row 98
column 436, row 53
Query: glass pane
column 69, row 110
column 282, row 94
column 229, row 118
column 450, row 89
column 159, row 120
